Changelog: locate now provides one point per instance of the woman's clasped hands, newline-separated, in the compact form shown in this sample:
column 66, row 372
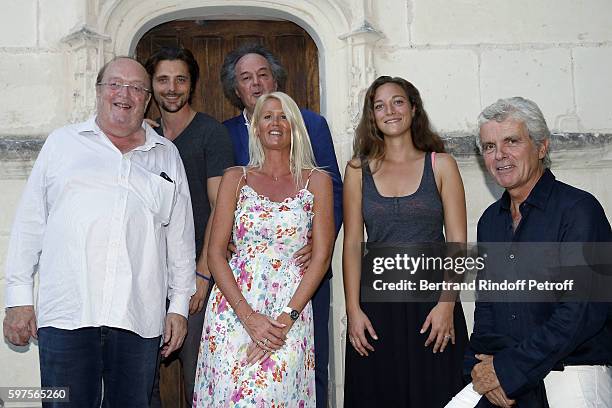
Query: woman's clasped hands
column 267, row 336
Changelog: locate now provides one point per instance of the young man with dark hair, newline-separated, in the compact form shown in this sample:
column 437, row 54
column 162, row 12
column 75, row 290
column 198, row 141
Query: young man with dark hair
column 206, row 151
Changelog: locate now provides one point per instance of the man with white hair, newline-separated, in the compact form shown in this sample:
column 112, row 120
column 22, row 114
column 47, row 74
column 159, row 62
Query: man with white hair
column 574, row 337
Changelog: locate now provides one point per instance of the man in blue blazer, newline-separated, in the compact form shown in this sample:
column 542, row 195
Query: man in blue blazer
column 247, row 73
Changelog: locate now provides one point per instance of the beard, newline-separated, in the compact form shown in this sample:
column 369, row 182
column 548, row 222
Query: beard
column 174, row 106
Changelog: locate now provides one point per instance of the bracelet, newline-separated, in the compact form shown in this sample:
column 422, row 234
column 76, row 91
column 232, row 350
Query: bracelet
column 249, row 316
column 236, row 305
column 201, row 275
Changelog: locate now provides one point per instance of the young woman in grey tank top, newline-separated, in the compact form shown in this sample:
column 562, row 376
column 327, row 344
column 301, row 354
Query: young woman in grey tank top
column 400, row 354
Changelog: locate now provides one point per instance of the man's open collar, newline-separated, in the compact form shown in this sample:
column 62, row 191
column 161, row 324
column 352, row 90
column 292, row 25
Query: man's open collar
column 541, row 191
column 538, row 197
column 90, row 126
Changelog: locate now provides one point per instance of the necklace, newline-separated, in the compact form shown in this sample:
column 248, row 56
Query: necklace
column 275, row 178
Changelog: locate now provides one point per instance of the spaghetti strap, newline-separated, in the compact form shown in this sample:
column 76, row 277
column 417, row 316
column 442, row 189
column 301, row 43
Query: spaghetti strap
column 244, row 177
column 308, row 180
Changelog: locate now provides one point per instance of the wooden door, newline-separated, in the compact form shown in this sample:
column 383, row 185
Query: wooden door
column 211, row 41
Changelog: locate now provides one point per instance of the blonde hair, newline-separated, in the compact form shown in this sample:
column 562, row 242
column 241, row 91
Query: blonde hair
column 301, row 156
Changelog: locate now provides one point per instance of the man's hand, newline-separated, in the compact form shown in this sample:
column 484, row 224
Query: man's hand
column 484, row 377
column 196, row 303
column 498, row 397
column 302, row 257
column 174, row 333
column 20, row 325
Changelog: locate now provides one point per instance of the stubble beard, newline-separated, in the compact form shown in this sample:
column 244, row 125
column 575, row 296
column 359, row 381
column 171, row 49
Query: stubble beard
column 172, row 108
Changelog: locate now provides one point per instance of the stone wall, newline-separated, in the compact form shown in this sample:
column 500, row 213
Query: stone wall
column 462, row 55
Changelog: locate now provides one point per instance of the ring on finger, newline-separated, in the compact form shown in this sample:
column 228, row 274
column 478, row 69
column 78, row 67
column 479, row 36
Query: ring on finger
column 448, row 336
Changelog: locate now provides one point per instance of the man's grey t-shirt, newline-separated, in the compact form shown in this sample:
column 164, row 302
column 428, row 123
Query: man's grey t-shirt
column 206, row 150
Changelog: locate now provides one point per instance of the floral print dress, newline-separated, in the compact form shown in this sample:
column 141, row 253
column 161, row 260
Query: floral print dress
column 266, row 234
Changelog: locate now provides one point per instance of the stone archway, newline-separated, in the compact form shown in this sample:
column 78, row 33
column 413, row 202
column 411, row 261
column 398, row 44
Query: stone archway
column 128, row 22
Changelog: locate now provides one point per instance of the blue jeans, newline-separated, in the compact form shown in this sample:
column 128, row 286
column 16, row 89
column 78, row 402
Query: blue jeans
column 83, row 359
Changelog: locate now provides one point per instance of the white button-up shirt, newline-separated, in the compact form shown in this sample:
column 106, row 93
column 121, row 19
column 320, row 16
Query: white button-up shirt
column 109, row 237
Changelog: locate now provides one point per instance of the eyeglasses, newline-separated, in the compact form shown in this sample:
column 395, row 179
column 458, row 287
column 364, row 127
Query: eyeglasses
column 116, row 86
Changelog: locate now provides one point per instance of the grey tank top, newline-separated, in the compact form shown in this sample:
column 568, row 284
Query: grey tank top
column 417, row 217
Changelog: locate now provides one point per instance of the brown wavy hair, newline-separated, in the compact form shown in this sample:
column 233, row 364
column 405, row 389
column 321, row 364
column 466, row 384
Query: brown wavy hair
column 369, row 143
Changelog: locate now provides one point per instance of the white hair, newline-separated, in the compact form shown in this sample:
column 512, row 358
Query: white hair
column 524, row 111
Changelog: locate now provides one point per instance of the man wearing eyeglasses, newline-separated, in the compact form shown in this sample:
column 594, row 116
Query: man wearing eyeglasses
column 106, row 220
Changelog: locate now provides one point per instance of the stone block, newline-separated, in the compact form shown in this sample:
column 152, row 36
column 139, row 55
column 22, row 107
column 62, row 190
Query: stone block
column 4, row 240
column 11, row 194
column 58, row 18
column 543, row 76
column 18, row 23
column 593, row 87
column 583, row 179
column 36, row 93
column 507, row 22
column 446, row 79
column 392, row 18
column 480, row 192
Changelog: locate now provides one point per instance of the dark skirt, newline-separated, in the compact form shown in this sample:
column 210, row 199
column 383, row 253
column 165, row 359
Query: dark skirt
column 401, row 372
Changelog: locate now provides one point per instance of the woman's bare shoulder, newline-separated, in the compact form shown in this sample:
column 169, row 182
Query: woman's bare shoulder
column 445, row 162
column 321, row 175
column 445, row 158
column 234, row 172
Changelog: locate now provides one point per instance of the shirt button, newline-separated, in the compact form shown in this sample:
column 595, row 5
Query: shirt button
column 511, row 256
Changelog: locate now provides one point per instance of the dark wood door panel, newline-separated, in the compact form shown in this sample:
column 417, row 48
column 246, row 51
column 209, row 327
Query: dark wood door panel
column 211, row 41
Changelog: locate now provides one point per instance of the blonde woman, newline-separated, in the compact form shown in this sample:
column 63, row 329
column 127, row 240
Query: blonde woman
column 258, row 338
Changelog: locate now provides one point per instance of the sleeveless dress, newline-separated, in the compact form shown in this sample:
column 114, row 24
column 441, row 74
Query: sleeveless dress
column 401, row 372
column 266, row 234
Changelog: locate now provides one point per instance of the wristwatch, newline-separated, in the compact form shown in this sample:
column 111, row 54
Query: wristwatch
column 293, row 314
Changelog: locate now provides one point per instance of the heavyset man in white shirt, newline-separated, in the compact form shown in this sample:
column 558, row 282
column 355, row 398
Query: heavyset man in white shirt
column 106, row 221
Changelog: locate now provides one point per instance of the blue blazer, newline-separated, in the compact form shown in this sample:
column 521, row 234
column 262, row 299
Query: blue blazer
column 322, row 146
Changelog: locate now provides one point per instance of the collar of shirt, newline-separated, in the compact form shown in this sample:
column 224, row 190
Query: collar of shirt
column 152, row 139
column 246, row 119
column 538, row 197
